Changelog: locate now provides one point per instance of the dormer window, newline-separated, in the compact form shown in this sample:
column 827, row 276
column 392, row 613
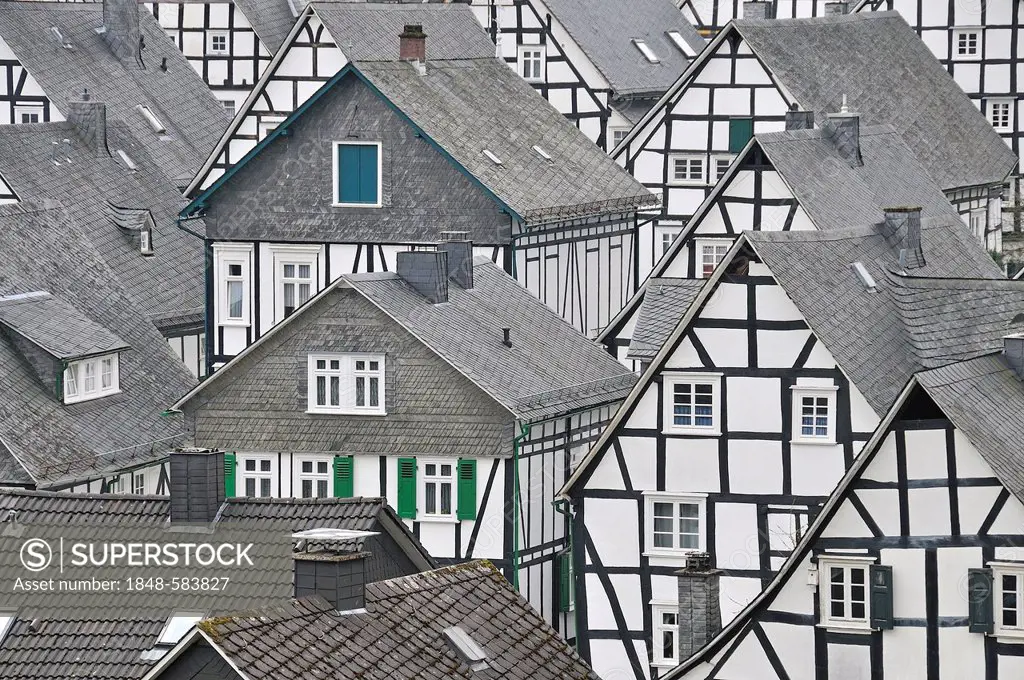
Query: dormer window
column 91, row 378
column 146, row 240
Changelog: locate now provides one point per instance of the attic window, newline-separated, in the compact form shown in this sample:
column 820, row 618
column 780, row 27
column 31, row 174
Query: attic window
column 864, row 275
column 146, row 239
column 127, row 160
column 91, row 378
column 494, row 159
column 542, row 153
column 645, row 50
column 680, row 42
column 6, row 623
column 177, row 626
column 151, row 118
column 472, row 653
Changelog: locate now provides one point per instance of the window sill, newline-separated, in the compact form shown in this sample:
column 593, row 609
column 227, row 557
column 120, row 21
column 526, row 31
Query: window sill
column 673, row 554
column 1009, row 637
column 375, row 414
column 431, row 519
column 812, row 442
column 664, row 664
column 236, row 323
column 357, row 205
column 688, row 183
column 707, row 432
column 91, row 397
column 848, row 628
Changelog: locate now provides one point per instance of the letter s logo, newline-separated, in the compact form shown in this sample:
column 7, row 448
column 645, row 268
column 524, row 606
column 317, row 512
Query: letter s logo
column 36, row 554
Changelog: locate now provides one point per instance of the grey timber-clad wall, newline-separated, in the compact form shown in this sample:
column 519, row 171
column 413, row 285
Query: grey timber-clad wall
column 295, row 176
column 264, row 407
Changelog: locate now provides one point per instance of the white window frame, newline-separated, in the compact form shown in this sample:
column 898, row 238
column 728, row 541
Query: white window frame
column 258, row 474
column 380, row 173
column 658, row 609
column 347, row 375
column 689, row 158
column 798, row 518
column 698, row 499
column 999, row 570
column 139, row 483
column 296, row 255
column 614, row 130
column 669, row 383
column 21, row 109
column 421, row 492
column 699, row 244
column 666, row 235
column 225, row 256
column 646, row 50
column 521, row 59
column 267, row 124
column 727, row 159
column 799, row 392
column 680, row 42
column 173, row 630
column 230, row 106
column 977, row 219
column 313, row 476
column 959, row 31
column 211, row 37
column 77, row 372
column 990, row 104
column 825, row 565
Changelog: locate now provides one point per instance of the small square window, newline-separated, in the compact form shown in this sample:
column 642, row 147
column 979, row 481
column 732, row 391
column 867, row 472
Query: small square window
column 1000, row 114
column 531, row 62
column 814, row 414
column 218, row 42
column 617, row 134
column 357, row 174
column 721, row 166
column 687, row 169
column 709, row 255
column 967, row 43
column 229, row 106
column 843, row 589
column 665, row 238
column 675, row 524
column 692, row 403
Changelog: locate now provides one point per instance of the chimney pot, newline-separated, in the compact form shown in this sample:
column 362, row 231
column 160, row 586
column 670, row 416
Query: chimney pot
column 758, row 9
column 426, row 271
column 904, row 224
column 412, row 44
column 89, row 119
column 699, row 616
column 799, row 120
column 460, row 258
column 839, row 7
column 844, row 131
column 197, row 484
column 1013, row 350
column 121, row 29
column 338, row 577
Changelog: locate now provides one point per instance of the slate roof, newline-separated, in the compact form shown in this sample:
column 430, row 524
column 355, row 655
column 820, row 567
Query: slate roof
column 106, row 643
column 820, row 60
column 193, row 118
column 43, row 439
column 400, row 636
column 666, row 302
column 605, row 30
column 550, row 365
column 167, row 287
column 271, row 19
column 55, row 326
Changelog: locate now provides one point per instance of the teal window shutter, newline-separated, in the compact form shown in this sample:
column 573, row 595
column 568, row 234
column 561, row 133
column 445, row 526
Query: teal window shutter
column 565, row 581
column 979, row 600
column 467, row 489
column 740, row 132
column 343, row 480
column 881, row 596
column 357, row 173
column 229, row 474
column 407, row 488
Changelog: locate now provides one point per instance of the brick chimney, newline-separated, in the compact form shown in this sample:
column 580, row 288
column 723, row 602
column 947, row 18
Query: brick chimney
column 844, row 130
column 1013, row 350
column 799, row 120
column 412, row 45
column 426, row 271
column 758, row 9
column 121, row 29
column 196, row 484
column 904, row 224
column 460, row 257
column 337, row 576
column 700, row 615
column 837, row 7
column 89, row 119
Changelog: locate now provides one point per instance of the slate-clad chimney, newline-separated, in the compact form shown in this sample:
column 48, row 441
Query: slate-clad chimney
column 700, row 616
column 838, row 7
column 758, row 9
column 197, row 484
column 338, row 577
column 90, row 121
column 426, row 271
column 460, row 258
column 844, row 130
column 1013, row 350
column 412, row 44
column 121, row 28
column 799, row 120
column 905, row 224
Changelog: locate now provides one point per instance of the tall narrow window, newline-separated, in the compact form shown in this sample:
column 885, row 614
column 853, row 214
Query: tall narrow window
column 438, row 480
column 367, row 377
column 814, row 414
column 314, row 477
column 1008, row 587
column 347, row 384
column 234, row 285
column 531, row 62
column 139, row 483
column 297, row 284
column 666, row 635
column 257, row 477
column 357, row 174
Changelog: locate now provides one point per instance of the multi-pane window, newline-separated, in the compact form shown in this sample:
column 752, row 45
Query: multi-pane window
column 711, row 253
column 229, row 106
column 666, row 635
column 531, row 62
column 219, row 42
column 234, row 289
column 618, row 134
column 675, row 524
column 139, row 483
column 296, row 285
column 722, row 164
column 28, row 114
column 691, row 404
column 814, row 414
column 667, row 237
column 687, row 170
column 314, row 478
column 1009, row 600
column 999, row 113
column 257, row 477
column 438, row 480
column 967, row 43
column 91, row 378
column 844, row 593
column 346, row 383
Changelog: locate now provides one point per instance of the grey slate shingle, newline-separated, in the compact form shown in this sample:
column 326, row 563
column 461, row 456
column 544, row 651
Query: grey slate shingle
column 271, row 19
column 55, row 326
column 665, row 302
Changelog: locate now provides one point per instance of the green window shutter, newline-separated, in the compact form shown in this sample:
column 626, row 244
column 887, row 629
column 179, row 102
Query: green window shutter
column 343, row 480
column 229, row 474
column 979, row 600
column 740, row 132
column 467, row 489
column 407, row 488
column 565, row 581
column 881, row 596
column 368, row 174
column 357, row 173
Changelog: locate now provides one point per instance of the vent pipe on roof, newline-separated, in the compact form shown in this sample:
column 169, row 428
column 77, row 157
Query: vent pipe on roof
column 196, row 484
column 412, row 46
column 699, row 614
column 758, row 9
column 844, row 130
column 89, row 118
column 506, row 337
column 1013, row 350
column 335, row 575
column 121, row 29
column 799, row 120
column 460, row 257
column 839, row 7
column 426, row 271
column 904, row 224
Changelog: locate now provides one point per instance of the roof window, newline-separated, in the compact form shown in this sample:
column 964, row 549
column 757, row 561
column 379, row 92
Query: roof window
column 646, row 51
column 6, row 623
column 864, row 275
column 151, row 118
column 680, row 42
column 472, row 653
column 542, row 153
column 177, row 626
column 127, row 160
column 494, row 159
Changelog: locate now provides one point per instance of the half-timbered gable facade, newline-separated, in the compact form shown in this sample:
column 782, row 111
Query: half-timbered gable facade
column 601, row 63
column 755, row 70
column 89, row 377
column 388, row 153
column 126, row 207
column 798, row 179
column 711, row 16
column 51, row 51
column 913, row 568
column 755, row 405
column 463, row 400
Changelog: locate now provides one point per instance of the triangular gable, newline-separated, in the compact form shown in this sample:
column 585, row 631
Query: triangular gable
column 7, row 193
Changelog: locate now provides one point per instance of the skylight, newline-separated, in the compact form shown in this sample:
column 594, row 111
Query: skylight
column 864, row 275
column 542, row 153
column 151, row 118
column 127, row 160
column 680, row 42
column 467, row 648
column 6, row 622
column 177, row 625
column 494, row 159
column 646, row 51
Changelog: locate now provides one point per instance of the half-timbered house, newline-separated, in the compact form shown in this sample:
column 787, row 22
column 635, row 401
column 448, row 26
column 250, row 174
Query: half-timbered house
column 124, row 205
column 756, row 69
column 87, row 376
column 798, row 179
column 761, row 395
column 446, row 388
column 334, row 166
column 51, row 51
column 601, row 63
column 711, row 16
column 913, row 568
